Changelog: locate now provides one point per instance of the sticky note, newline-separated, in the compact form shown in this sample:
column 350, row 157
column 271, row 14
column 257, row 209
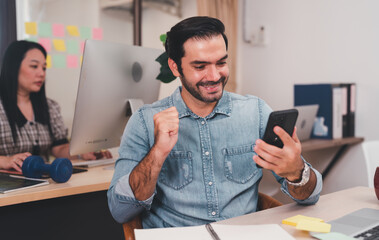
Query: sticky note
column 46, row 43
column 72, row 61
column 313, row 226
column 59, row 45
column 82, row 43
column 292, row 221
column 31, row 39
column 31, row 28
column 48, row 61
column 97, row 33
column 44, row 29
column 72, row 46
column 72, row 30
column 85, row 32
column 59, row 61
column 332, row 236
column 58, row 30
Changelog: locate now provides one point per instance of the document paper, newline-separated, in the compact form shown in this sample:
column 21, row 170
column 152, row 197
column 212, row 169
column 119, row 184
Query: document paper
column 225, row 232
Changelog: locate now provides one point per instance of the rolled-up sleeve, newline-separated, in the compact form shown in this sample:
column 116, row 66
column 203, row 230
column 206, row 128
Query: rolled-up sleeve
column 134, row 146
column 122, row 202
column 313, row 198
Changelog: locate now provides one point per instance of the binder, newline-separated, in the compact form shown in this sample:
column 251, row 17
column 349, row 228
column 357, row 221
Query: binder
column 328, row 123
column 348, row 109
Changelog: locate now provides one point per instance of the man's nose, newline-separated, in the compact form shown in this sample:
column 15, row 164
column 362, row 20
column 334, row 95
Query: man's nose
column 213, row 73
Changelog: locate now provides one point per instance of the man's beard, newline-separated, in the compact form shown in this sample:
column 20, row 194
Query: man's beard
column 195, row 90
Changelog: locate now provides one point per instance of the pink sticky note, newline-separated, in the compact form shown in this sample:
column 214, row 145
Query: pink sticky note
column 58, row 30
column 46, row 43
column 97, row 33
column 72, row 61
column 82, row 43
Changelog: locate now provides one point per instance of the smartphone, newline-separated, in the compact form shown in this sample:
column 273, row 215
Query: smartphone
column 285, row 119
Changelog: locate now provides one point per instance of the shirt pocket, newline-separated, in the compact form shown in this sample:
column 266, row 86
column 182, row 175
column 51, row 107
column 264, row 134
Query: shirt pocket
column 239, row 165
column 176, row 171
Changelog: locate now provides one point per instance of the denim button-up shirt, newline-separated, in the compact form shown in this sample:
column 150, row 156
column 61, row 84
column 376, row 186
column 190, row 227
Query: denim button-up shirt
column 208, row 176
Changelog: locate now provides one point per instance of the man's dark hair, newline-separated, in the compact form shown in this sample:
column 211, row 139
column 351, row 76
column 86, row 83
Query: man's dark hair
column 194, row 27
column 12, row 59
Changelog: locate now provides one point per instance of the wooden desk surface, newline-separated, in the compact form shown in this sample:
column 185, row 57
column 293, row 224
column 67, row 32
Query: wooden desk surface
column 95, row 179
column 329, row 207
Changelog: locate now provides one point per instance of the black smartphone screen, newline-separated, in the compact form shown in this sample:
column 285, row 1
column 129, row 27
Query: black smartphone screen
column 285, row 119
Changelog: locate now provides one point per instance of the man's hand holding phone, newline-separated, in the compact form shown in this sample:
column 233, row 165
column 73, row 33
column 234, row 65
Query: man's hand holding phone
column 285, row 162
column 280, row 149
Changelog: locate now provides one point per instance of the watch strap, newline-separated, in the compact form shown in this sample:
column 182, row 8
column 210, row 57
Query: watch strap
column 304, row 177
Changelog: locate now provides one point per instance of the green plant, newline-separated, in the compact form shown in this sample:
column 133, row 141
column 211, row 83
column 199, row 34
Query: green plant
column 165, row 74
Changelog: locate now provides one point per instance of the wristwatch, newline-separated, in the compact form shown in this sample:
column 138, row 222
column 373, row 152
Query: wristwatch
column 304, row 177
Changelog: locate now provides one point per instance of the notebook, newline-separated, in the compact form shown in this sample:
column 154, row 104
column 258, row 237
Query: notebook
column 220, row 231
column 356, row 223
column 305, row 120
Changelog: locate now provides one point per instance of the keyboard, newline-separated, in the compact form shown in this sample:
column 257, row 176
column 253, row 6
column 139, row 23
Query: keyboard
column 93, row 163
column 371, row 234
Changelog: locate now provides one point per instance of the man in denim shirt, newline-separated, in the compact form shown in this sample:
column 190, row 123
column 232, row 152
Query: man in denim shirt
column 192, row 157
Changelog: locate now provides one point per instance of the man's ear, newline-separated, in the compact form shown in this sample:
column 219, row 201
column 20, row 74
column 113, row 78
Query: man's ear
column 174, row 67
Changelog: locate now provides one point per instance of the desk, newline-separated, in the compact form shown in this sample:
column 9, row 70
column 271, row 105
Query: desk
column 329, row 207
column 76, row 209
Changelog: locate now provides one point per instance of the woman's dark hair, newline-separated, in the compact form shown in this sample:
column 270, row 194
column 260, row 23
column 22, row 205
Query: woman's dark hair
column 194, row 27
column 12, row 59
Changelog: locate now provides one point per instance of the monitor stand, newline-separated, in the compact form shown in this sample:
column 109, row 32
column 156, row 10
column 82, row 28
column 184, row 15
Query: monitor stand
column 132, row 105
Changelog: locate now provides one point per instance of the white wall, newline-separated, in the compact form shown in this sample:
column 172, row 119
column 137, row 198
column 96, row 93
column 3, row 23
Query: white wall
column 322, row 41
column 313, row 42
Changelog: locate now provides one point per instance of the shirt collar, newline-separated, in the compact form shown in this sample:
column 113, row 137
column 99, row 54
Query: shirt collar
column 21, row 120
column 224, row 105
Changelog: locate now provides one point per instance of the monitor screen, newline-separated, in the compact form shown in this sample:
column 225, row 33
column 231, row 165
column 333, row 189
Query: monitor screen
column 115, row 80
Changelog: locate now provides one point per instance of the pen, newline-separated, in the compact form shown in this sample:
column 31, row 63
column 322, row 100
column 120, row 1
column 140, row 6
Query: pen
column 212, row 231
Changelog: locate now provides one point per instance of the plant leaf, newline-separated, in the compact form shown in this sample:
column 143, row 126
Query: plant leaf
column 165, row 75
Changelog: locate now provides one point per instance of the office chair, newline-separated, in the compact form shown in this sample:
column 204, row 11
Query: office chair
column 264, row 202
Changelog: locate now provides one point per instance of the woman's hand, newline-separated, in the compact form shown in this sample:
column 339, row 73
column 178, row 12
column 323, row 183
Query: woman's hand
column 14, row 161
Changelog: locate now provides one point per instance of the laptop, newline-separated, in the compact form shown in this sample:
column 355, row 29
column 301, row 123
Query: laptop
column 361, row 224
column 305, row 120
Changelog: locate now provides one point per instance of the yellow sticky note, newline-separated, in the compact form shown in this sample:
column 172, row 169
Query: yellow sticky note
column 313, row 226
column 295, row 219
column 48, row 61
column 59, row 45
column 31, row 28
column 73, row 30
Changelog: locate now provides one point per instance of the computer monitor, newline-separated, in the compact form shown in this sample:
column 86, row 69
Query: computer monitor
column 115, row 80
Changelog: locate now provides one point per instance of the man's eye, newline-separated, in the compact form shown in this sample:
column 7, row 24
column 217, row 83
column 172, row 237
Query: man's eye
column 221, row 63
column 199, row 67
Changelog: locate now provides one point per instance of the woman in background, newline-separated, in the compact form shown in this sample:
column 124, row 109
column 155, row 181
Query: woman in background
column 30, row 123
